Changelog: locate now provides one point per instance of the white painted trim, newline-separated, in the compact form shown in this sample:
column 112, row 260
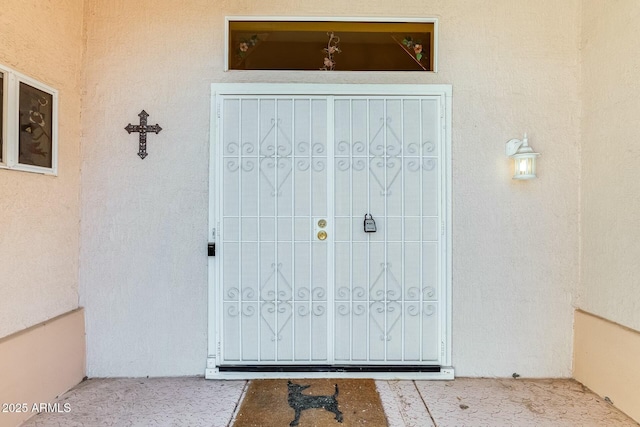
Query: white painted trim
column 425, row 20
column 444, row 374
column 449, row 228
column 5, row 108
column 331, row 273
column 285, row 89
column 212, row 224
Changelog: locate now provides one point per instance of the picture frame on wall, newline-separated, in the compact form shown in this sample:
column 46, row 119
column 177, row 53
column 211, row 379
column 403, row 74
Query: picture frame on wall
column 35, row 116
column 29, row 124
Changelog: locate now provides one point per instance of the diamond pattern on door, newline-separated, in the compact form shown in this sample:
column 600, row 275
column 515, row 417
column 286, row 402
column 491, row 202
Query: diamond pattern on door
column 387, row 161
column 274, row 273
column 288, row 163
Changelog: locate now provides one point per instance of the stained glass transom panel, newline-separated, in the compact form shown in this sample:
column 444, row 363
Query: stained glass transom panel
column 331, row 45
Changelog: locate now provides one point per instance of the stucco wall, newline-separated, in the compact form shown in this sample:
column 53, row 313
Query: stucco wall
column 514, row 67
column 40, row 215
column 610, row 155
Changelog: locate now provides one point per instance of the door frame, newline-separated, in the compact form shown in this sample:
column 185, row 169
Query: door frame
column 213, row 335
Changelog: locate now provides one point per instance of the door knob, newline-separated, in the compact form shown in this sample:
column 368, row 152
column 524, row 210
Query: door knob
column 322, row 235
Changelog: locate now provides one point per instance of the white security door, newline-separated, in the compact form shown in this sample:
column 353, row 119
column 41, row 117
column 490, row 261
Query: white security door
column 387, row 165
column 274, row 276
column 297, row 279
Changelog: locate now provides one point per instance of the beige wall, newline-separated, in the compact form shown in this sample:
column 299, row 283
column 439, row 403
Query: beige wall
column 610, row 155
column 514, row 67
column 606, row 353
column 40, row 363
column 40, row 215
column 606, row 358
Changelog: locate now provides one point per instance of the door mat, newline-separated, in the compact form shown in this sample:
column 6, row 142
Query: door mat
column 311, row 403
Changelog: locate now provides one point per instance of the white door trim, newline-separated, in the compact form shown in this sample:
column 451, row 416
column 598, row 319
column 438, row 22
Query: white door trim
column 444, row 91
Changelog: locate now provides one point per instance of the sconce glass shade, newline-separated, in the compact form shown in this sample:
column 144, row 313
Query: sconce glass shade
column 524, row 165
column 524, row 158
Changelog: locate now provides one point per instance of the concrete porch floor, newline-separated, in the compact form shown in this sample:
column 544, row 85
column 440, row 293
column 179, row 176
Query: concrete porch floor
column 195, row 402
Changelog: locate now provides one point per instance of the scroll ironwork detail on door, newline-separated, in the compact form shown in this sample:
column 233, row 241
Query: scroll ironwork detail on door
column 293, row 167
column 270, row 158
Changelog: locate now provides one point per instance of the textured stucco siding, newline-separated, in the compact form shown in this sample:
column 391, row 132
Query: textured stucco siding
column 40, row 214
column 610, row 271
column 514, row 67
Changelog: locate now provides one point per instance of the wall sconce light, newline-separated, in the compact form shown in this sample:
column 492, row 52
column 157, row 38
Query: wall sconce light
column 524, row 158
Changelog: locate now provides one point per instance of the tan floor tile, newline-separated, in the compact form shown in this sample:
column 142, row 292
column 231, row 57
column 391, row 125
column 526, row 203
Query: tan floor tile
column 509, row 402
column 463, row 402
column 403, row 405
column 146, row 402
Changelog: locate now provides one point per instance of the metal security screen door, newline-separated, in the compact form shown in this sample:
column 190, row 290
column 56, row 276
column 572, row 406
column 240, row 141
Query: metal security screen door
column 299, row 281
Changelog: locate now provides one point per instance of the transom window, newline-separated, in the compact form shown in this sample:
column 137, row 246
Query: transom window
column 331, row 45
column 28, row 124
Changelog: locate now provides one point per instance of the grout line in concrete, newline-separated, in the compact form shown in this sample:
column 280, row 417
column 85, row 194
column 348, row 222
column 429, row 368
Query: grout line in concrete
column 238, row 404
column 425, row 404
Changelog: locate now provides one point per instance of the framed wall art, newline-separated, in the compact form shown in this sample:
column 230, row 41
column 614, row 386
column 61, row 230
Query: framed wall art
column 28, row 125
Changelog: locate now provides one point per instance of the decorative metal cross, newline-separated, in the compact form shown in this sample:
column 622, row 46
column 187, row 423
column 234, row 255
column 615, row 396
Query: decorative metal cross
column 143, row 129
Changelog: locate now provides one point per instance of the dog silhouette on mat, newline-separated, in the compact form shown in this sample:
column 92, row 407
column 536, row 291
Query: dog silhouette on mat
column 299, row 402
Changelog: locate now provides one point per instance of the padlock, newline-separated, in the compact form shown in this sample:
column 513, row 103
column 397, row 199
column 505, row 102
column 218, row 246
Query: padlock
column 369, row 224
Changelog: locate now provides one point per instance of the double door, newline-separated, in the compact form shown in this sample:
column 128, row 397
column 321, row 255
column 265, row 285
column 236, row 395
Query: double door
column 299, row 278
